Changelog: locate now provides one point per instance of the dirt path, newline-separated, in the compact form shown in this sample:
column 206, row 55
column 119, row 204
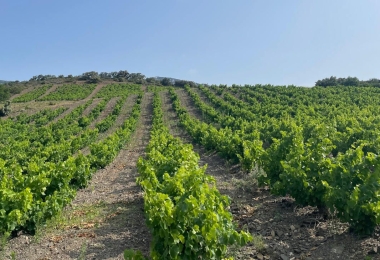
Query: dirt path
column 24, row 91
column 96, row 90
column 281, row 229
column 68, row 111
column 93, row 93
column 187, row 102
column 124, row 113
column 107, row 110
column 105, row 218
column 87, row 111
column 52, row 89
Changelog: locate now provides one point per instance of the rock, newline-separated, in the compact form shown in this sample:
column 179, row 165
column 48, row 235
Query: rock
column 272, row 233
column 310, row 221
column 284, row 257
column 258, row 228
column 297, row 250
column 260, row 256
column 279, row 233
column 337, row 249
column 292, row 228
column 373, row 251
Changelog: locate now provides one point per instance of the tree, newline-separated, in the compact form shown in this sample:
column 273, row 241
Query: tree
column 122, row 74
column 91, row 77
column 153, row 81
column 136, row 78
column 4, row 111
column 166, row 82
column 332, row 81
column 351, row 81
column 182, row 83
column 4, row 92
column 42, row 77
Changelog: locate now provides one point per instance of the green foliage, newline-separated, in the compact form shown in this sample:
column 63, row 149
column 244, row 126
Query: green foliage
column 69, row 92
column 32, row 95
column 91, row 77
column 318, row 145
column 41, row 166
column 4, row 92
column 186, row 213
column 6, row 109
column 349, row 81
column 118, row 90
column 132, row 255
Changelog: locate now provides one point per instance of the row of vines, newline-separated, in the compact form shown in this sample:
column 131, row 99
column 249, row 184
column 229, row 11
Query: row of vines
column 318, row 145
column 187, row 215
column 41, row 164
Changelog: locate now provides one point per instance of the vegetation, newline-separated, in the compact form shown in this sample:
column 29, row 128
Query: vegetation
column 70, row 92
column 332, row 164
column 6, row 109
column 118, row 90
column 319, row 145
column 8, row 89
column 349, row 81
column 41, row 166
column 185, row 211
column 32, row 95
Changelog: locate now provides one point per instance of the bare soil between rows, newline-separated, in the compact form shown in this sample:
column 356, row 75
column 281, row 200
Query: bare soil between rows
column 105, row 218
column 281, row 229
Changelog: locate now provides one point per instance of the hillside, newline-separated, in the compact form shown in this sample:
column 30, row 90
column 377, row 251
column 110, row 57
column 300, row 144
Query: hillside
column 3, row 81
column 298, row 164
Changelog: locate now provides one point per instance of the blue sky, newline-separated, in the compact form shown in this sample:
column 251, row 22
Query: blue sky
column 216, row 42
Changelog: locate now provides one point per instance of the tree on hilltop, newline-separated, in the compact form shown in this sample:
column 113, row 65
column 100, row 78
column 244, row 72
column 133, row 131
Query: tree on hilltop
column 90, row 77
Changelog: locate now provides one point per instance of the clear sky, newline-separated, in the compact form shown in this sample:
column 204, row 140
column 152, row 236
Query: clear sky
column 217, row 42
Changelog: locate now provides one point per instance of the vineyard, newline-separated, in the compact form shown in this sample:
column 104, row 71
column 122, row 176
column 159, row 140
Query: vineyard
column 114, row 170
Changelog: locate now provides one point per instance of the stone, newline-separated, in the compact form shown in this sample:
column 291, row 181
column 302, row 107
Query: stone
column 292, row 228
column 272, row 233
column 279, row 233
column 260, row 256
column 337, row 249
column 373, row 250
column 284, row 257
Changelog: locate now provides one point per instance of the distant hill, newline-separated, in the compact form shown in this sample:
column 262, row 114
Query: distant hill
column 3, row 81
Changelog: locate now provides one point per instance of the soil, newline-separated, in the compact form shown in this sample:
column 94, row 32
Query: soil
column 94, row 103
column 33, row 106
column 281, row 229
column 107, row 217
column 109, row 212
column 124, row 113
column 24, row 91
column 107, row 110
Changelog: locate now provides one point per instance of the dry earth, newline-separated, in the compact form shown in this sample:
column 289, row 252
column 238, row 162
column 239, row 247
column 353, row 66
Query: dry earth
column 104, row 219
column 281, row 229
column 107, row 217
